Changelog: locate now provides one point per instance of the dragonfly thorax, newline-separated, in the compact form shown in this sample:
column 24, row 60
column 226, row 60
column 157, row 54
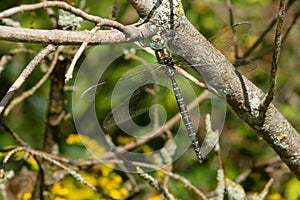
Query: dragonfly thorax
column 164, row 57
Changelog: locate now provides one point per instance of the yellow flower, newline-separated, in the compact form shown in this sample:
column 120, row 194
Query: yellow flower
column 115, row 194
column 106, row 169
column 89, row 177
column 103, row 181
column 116, row 178
column 160, row 174
column 59, row 190
column 73, row 139
column 91, row 144
column 124, row 191
column 25, row 196
column 156, row 197
column 59, row 198
column 275, row 196
column 33, row 164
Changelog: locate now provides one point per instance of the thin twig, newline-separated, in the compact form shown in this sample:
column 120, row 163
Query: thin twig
column 45, row 156
column 230, row 12
column 30, row 92
column 265, row 191
column 51, row 14
column 79, row 52
column 14, row 135
column 214, row 135
column 25, row 73
column 275, row 61
column 174, row 176
column 292, row 24
column 154, row 183
column 264, row 33
column 231, row 22
column 114, row 11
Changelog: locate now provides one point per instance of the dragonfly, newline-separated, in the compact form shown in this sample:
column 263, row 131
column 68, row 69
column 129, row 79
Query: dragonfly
column 169, row 64
column 165, row 59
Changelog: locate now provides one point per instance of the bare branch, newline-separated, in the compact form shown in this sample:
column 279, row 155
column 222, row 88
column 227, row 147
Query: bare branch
column 30, row 92
column 154, row 183
column 59, row 37
column 26, row 72
column 50, row 159
column 79, row 52
column 276, row 55
column 64, row 6
column 14, row 135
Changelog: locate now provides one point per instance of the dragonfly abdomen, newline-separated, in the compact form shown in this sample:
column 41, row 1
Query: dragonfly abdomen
column 186, row 119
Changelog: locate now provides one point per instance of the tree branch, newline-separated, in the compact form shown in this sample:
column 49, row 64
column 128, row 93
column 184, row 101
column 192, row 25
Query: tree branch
column 26, row 72
column 61, row 37
column 242, row 95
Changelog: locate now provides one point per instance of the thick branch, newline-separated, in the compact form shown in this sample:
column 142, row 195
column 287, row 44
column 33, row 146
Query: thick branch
column 242, row 95
column 60, row 37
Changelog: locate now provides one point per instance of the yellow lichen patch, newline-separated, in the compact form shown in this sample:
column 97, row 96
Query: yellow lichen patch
column 180, row 10
column 282, row 135
column 103, row 181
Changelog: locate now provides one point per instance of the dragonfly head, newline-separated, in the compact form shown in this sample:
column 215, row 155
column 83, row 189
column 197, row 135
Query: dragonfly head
column 158, row 42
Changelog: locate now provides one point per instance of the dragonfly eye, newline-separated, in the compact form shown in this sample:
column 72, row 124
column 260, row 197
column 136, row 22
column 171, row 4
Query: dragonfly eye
column 158, row 42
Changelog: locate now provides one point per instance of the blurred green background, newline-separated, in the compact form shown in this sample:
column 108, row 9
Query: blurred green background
column 242, row 147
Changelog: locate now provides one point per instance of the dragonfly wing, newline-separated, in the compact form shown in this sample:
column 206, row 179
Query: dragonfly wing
column 143, row 72
column 225, row 39
column 126, row 96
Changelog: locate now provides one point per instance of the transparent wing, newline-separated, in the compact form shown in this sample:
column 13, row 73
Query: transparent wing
column 127, row 95
column 144, row 72
column 225, row 40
